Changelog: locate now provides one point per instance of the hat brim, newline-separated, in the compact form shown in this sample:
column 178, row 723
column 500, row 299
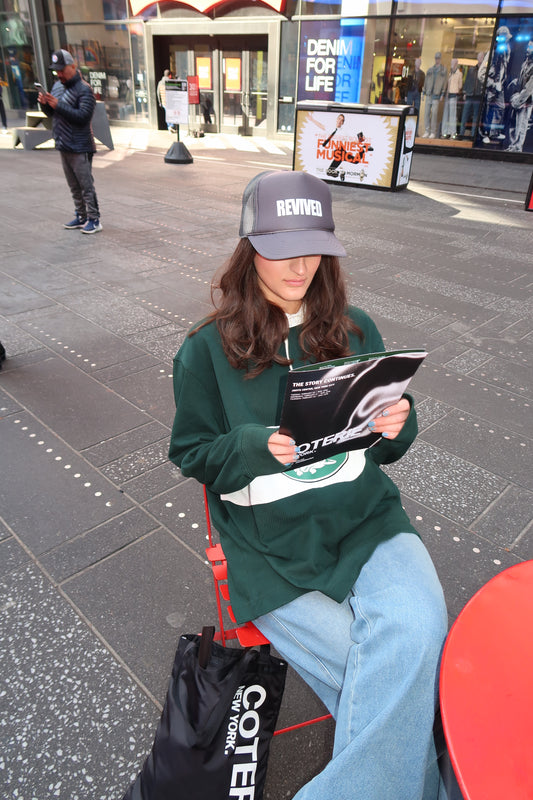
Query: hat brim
column 293, row 244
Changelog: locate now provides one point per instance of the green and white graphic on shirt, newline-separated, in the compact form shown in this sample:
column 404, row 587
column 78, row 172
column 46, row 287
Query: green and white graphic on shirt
column 319, row 470
column 340, row 468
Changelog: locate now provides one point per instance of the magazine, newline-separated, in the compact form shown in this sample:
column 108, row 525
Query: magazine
column 327, row 406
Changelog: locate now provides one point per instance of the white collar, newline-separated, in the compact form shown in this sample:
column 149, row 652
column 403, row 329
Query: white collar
column 296, row 319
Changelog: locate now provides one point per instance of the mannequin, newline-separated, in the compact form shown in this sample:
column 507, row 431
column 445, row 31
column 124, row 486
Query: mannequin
column 522, row 103
column 495, row 88
column 473, row 89
column 434, row 88
column 455, row 85
column 415, row 84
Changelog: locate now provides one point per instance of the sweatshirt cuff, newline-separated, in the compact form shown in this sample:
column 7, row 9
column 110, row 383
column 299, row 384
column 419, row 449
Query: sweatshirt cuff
column 258, row 458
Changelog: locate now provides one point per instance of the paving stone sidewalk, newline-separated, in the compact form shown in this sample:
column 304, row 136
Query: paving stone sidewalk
column 102, row 540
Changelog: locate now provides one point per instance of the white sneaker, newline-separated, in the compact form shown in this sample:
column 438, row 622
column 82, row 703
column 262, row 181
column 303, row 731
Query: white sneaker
column 486, row 140
column 432, row 136
column 425, row 135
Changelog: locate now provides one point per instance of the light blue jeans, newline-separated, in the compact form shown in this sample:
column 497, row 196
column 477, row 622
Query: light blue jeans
column 431, row 114
column 449, row 118
column 373, row 660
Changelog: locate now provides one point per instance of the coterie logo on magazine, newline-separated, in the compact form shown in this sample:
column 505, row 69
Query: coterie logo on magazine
column 327, row 406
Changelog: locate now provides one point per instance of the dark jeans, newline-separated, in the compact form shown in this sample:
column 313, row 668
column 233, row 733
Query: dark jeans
column 78, row 172
column 470, row 111
column 3, row 113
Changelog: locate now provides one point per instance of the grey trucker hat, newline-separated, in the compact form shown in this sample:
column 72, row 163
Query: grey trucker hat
column 287, row 215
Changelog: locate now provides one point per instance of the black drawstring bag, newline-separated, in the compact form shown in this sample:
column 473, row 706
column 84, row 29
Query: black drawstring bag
column 214, row 734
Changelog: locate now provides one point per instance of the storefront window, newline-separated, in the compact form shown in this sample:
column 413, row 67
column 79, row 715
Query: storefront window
column 516, row 7
column 111, row 59
column 346, row 8
column 287, row 76
column 508, row 98
column 17, row 67
column 447, row 6
column 436, row 66
column 88, row 11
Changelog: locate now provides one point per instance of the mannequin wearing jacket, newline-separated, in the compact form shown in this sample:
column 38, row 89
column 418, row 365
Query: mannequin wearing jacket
column 522, row 103
column 473, row 90
column 415, row 85
column 495, row 87
column 434, row 89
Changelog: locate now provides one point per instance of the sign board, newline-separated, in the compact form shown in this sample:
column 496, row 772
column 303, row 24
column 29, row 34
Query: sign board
column 203, row 70
column 347, row 147
column 176, row 102
column 232, row 74
column 98, row 81
column 360, row 145
column 193, row 89
column 331, row 60
column 406, row 151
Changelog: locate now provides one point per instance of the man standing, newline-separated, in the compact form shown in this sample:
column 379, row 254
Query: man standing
column 161, row 92
column 2, row 107
column 71, row 105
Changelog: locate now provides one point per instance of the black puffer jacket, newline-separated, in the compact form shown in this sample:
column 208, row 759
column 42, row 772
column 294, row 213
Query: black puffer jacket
column 71, row 120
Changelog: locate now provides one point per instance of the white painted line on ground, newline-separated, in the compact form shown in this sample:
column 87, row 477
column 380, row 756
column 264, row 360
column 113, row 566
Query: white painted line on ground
column 476, row 196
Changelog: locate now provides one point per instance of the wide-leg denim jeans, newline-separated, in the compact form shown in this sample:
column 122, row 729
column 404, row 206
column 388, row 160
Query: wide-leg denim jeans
column 373, row 660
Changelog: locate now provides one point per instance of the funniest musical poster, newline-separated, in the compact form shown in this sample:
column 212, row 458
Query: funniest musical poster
column 346, row 147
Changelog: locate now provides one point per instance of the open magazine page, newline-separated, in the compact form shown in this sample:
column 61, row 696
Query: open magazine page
column 327, row 407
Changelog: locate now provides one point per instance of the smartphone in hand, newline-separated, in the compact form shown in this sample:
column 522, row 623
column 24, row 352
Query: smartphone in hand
column 40, row 87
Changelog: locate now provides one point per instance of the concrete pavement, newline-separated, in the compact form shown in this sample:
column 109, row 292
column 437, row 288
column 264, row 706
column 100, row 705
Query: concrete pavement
column 102, row 540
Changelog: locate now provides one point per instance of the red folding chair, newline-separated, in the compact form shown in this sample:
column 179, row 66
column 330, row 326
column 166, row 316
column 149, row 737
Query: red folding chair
column 246, row 634
column 486, row 689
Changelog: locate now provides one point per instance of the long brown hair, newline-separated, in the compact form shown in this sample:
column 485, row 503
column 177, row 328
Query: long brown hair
column 252, row 328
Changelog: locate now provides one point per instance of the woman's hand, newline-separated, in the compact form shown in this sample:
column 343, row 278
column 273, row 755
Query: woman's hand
column 283, row 448
column 392, row 420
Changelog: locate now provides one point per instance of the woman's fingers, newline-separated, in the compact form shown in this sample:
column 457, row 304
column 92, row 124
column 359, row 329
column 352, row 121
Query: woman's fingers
column 392, row 420
column 283, row 448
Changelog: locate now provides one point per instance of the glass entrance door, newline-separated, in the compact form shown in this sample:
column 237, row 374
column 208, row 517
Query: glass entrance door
column 258, row 88
column 244, row 91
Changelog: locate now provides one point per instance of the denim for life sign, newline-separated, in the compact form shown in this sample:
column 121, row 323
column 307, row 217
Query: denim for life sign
column 331, row 60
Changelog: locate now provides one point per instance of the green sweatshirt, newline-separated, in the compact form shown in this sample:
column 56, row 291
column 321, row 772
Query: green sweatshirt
column 285, row 531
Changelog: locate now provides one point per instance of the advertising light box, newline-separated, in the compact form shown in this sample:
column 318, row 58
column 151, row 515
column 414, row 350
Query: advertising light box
column 331, row 59
column 361, row 145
